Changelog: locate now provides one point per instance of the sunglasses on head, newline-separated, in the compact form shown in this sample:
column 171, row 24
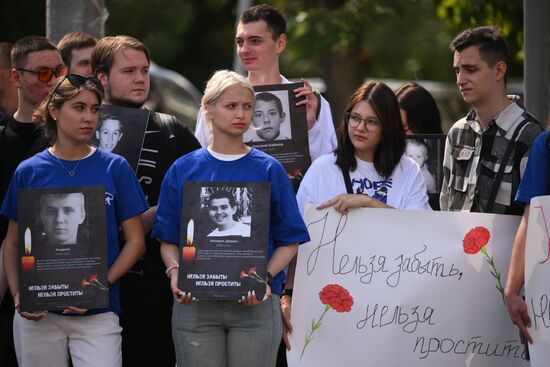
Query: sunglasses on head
column 46, row 74
column 77, row 80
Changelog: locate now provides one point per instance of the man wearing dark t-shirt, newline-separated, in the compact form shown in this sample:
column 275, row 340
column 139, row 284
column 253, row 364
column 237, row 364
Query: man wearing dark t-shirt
column 122, row 65
column 37, row 65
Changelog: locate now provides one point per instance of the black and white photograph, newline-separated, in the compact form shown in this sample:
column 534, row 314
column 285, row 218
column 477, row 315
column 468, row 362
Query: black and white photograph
column 228, row 209
column 271, row 118
column 279, row 127
column 61, row 217
column 224, row 239
column 427, row 150
column 55, row 231
column 121, row 130
column 109, row 132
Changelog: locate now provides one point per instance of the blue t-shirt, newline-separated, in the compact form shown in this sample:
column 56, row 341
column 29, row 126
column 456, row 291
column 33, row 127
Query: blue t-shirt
column 535, row 178
column 123, row 195
column 286, row 224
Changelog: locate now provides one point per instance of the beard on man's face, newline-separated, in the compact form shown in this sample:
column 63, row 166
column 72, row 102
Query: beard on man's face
column 125, row 103
column 121, row 101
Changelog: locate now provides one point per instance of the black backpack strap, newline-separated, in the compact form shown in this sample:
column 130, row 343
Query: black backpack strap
column 503, row 163
column 347, row 180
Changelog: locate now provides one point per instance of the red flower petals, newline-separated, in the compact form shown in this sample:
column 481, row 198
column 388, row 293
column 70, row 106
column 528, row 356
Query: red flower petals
column 337, row 297
column 475, row 240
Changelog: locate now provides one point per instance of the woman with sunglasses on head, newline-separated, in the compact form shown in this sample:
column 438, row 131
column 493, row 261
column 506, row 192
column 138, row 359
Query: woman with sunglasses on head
column 229, row 333
column 368, row 169
column 69, row 118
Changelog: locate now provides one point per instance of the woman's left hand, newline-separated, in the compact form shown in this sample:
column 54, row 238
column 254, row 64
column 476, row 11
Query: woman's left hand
column 311, row 102
column 344, row 202
column 251, row 300
column 75, row 310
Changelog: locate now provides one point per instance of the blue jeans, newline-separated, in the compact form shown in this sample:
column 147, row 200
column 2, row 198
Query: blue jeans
column 226, row 333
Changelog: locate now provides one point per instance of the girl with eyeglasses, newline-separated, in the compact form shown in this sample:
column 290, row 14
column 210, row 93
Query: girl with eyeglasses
column 368, row 168
column 229, row 333
column 69, row 118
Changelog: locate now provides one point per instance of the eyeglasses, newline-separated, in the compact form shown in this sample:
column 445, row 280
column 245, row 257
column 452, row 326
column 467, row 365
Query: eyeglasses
column 354, row 120
column 46, row 74
column 76, row 80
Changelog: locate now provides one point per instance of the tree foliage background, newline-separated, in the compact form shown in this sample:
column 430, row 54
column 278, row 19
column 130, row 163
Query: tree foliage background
column 342, row 41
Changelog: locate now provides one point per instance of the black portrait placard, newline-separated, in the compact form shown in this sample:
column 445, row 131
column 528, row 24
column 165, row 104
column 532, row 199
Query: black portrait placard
column 224, row 239
column 62, row 252
column 428, row 151
column 279, row 127
column 121, row 130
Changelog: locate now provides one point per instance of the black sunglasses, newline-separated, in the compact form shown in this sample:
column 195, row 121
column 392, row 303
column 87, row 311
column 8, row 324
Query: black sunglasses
column 46, row 74
column 77, row 80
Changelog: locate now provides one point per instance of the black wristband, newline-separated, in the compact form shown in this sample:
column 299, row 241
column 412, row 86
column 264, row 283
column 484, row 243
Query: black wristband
column 268, row 277
column 287, row 292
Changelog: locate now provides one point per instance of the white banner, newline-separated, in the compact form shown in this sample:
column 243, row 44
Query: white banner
column 384, row 287
column 537, row 279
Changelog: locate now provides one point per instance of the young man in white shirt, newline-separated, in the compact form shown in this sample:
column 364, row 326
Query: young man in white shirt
column 261, row 39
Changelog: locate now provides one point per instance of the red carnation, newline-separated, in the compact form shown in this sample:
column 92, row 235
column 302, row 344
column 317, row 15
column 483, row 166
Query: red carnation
column 337, row 297
column 333, row 296
column 243, row 274
column 84, row 283
column 475, row 240
column 251, row 270
column 93, row 278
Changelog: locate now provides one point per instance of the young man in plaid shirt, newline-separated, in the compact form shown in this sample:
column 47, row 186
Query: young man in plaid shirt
column 486, row 151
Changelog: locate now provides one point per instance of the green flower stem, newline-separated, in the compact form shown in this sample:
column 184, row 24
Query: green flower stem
column 99, row 285
column 494, row 273
column 257, row 278
column 314, row 326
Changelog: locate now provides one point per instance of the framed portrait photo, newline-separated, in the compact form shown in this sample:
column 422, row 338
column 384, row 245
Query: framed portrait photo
column 427, row 150
column 224, row 239
column 62, row 248
column 279, row 128
column 121, row 130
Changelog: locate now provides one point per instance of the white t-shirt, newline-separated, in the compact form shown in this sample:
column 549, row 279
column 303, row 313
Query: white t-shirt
column 239, row 229
column 322, row 136
column 404, row 189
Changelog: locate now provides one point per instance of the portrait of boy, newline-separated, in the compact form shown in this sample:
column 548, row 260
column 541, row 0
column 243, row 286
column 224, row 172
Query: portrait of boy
column 109, row 133
column 268, row 118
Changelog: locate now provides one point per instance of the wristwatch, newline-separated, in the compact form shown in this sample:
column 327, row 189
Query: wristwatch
column 268, row 277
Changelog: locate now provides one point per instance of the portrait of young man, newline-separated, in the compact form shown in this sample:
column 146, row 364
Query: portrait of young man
column 122, row 64
column 61, row 215
column 223, row 212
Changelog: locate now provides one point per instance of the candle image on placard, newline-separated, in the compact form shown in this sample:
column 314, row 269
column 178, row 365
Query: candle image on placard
column 28, row 261
column 189, row 251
